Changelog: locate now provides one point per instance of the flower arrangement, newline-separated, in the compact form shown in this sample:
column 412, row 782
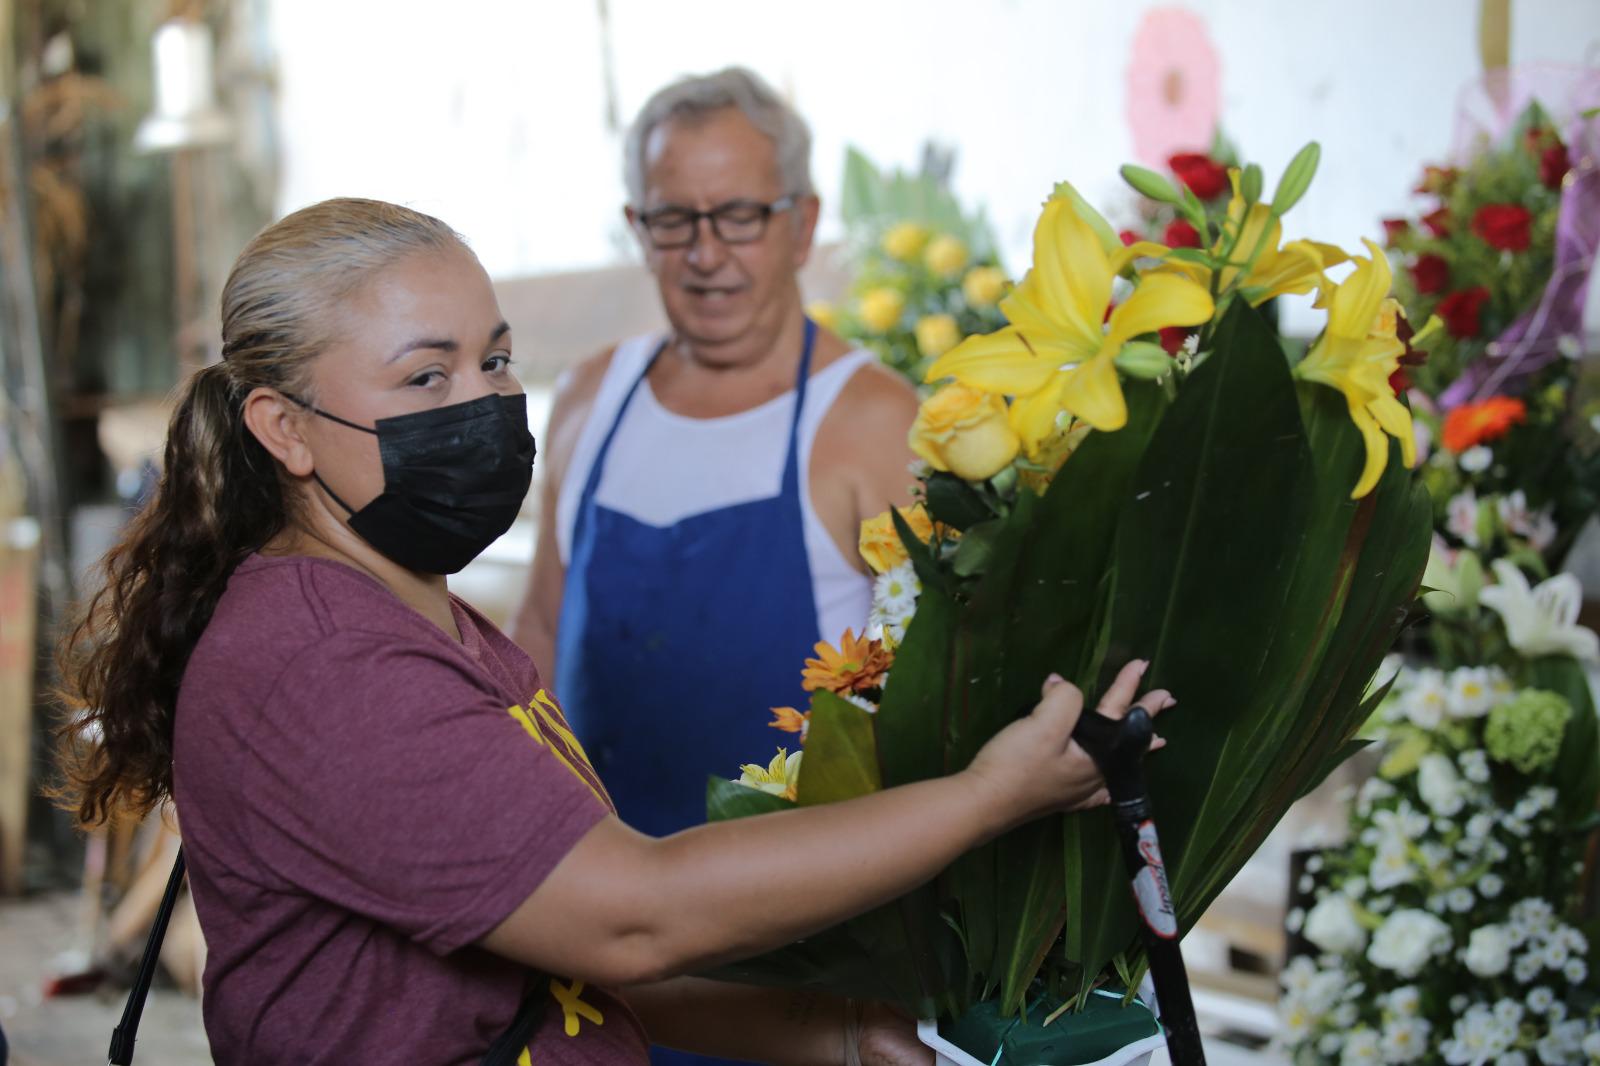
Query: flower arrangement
column 1233, row 515
column 1500, row 259
column 927, row 274
column 1445, row 931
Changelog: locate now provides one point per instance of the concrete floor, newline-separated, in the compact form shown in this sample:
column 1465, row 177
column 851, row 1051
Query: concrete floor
column 75, row 1030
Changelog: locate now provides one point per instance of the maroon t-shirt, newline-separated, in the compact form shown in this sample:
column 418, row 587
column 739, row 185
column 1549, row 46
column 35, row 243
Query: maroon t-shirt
column 361, row 799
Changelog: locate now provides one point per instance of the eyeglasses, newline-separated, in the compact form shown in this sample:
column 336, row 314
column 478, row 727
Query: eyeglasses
column 735, row 222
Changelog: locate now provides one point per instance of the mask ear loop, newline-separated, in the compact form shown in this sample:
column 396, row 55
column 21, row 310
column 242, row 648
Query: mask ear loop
column 331, row 418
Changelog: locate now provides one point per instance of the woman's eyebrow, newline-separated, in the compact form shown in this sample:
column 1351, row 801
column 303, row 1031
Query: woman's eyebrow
column 426, row 342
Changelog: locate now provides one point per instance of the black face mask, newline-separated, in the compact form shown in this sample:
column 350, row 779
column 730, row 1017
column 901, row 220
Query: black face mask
column 453, row 481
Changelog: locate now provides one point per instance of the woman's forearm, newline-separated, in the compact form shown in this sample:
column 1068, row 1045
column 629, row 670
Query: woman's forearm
column 737, row 888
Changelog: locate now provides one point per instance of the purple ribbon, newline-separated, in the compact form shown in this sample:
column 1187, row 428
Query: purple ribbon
column 1533, row 341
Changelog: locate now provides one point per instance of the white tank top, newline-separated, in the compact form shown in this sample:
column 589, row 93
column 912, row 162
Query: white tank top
column 664, row 467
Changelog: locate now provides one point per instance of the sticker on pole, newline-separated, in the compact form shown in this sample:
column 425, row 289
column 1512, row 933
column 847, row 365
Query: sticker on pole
column 1150, row 886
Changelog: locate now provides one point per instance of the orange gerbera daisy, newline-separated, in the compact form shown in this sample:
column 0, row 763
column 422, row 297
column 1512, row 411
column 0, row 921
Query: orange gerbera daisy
column 1479, row 423
column 791, row 721
column 856, row 665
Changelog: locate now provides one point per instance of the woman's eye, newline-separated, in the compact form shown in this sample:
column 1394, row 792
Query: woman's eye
column 499, row 361
column 425, row 379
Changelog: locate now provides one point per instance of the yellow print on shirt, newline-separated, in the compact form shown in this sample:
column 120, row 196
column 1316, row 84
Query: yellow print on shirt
column 561, row 742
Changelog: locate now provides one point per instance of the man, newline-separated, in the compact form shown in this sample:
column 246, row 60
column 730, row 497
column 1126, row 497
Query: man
column 703, row 490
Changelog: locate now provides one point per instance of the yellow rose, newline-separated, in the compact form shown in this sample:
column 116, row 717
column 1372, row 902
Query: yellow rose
column 905, row 241
column 937, row 334
column 965, row 432
column 823, row 313
column 983, row 286
column 880, row 309
column 945, row 255
column 880, row 543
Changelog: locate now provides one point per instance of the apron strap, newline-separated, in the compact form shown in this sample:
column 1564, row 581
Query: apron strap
column 791, row 470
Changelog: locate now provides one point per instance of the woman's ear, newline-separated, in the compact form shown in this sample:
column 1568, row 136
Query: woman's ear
column 279, row 424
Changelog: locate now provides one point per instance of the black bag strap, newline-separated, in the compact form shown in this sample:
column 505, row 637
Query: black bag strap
column 122, row 1037
column 503, row 1052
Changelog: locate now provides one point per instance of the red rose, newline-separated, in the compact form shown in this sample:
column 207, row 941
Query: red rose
column 1460, row 311
column 1172, row 338
column 1437, row 180
column 1179, row 234
column 1204, row 175
column 1394, row 229
column 1438, row 222
column 1430, row 274
column 1553, row 165
column 1127, row 236
column 1503, row 226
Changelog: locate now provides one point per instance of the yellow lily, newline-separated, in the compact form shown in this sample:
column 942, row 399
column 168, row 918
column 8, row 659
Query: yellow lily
column 1356, row 354
column 1296, row 267
column 780, row 777
column 1056, row 355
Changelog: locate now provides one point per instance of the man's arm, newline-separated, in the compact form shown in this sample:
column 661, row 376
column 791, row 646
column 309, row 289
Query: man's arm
column 534, row 625
column 860, row 461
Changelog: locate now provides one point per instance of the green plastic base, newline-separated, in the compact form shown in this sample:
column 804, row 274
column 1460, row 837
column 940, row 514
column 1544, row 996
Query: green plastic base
column 1101, row 1028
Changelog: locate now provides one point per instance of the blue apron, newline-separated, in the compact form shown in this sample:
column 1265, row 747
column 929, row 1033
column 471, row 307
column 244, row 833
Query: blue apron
column 674, row 642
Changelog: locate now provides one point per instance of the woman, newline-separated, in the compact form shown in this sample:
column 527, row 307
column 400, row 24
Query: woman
column 393, row 839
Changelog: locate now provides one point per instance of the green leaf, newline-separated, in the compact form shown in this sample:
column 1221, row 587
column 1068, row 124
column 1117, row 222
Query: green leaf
column 841, row 758
column 1296, row 178
column 861, row 194
column 921, row 556
column 955, row 503
column 1193, row 255
column 728, row 799
column 1148, row 183
column 975, row 549
column 1343, row 755
column 1205, row 545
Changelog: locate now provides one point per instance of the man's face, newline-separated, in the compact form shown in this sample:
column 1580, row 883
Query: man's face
column 714, row 292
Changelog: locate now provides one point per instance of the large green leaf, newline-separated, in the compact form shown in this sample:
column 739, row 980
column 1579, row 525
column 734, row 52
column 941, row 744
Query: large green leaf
column 1204, row 552
column 841, row 759
column 728, row 799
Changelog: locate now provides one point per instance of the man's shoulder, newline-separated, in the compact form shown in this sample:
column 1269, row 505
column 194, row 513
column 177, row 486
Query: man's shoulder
column 876, row 391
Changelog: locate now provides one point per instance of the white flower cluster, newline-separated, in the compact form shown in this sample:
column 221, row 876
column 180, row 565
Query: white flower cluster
column 1435, row 939
column 894, row 602
column 1462, row 513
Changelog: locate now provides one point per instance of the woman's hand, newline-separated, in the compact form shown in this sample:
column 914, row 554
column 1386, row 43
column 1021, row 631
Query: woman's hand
column 1033, row 766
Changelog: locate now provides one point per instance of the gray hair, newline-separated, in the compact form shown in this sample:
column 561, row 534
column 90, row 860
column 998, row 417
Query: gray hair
column 696, row 96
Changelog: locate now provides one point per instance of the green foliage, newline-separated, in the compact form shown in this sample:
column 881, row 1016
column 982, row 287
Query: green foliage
column 1212, row 534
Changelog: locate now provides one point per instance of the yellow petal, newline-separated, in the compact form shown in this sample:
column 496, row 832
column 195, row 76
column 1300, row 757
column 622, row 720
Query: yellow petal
column 1160, row 300
column 1003, row 362
column 1034, row 417
column 1070, row 270
column 1355, row 303
column 1377, row 450
column 1093, row 393
column 1297, row 268
column 1395, row 419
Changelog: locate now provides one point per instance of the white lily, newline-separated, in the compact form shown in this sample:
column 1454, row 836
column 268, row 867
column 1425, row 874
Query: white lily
column 1541, row 620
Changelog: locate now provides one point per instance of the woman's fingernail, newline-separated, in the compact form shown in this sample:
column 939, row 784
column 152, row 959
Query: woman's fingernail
column 1144, row 664
column 1054, row 679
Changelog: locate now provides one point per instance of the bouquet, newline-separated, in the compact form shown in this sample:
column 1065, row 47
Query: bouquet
column 927, row 274
column 1501, row 260
column 1236, row 515
column 1445, row 930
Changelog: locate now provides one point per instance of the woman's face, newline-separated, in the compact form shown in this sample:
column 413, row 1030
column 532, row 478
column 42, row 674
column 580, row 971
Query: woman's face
column 425, row 333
